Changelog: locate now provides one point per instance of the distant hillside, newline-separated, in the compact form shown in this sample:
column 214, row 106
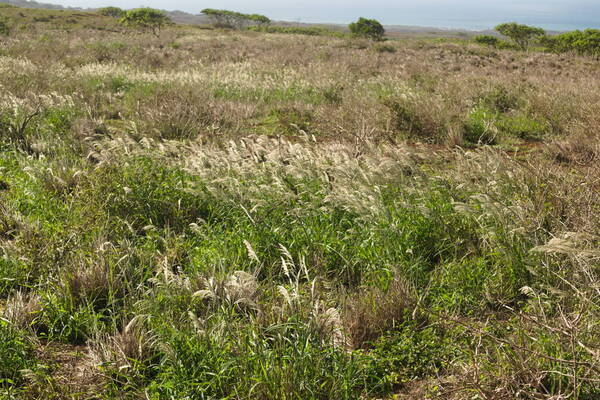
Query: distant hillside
column 177, row 16
column 35, row 4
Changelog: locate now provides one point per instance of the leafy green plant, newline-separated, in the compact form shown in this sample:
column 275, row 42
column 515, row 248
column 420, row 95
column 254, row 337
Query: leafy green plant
column 367, row 28
column 409, row 353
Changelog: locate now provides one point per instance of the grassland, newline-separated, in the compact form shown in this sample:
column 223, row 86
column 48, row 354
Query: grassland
column 210, row 214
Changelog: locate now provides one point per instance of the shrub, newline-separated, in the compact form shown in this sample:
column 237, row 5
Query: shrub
column 581, row 42
column 367, row 28
column 114, row 12
column 487, row 40
column 521, row 35
column 145, row 19
column 233, row 19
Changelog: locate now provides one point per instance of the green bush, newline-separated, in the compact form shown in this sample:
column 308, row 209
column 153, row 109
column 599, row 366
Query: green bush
column 114, row 12
column 146, row 19
column 367, row 28
column 585, row 42
column 487, row 40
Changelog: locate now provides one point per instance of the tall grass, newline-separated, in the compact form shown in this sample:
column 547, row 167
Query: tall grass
column 210, row 214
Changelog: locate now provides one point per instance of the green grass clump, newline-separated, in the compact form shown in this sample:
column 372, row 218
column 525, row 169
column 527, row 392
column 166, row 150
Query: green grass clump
column 144, row 193
column 480, row 127
column 16, row 355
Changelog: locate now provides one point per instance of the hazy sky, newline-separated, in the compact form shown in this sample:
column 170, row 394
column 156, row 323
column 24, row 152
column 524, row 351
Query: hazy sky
column 475, row 14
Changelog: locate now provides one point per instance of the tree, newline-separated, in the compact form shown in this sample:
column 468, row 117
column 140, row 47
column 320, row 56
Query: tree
column 114, row 12
column 368, row 28
column 145, row 18
column 234, row 19
column 521, row 35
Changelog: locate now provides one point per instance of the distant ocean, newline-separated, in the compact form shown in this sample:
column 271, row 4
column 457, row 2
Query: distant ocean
column 557, row 21
column 478, row 24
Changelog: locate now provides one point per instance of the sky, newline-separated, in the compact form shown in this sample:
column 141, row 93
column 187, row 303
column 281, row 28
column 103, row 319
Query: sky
column 468, row 14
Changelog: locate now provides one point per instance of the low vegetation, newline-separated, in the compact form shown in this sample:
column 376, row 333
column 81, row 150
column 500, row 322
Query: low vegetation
column 209, row 213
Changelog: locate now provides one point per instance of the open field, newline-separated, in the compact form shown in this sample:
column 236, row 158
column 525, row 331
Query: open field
column 209, row 214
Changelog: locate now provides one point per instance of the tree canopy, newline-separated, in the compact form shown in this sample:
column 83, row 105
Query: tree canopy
column 521, row 35
column 114, row 12
column 368, row 28
column 145, row 18
column 234, row 19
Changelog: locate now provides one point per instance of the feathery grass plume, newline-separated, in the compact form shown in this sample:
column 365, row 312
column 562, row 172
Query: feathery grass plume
column 23, row 309
column 126, row 355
